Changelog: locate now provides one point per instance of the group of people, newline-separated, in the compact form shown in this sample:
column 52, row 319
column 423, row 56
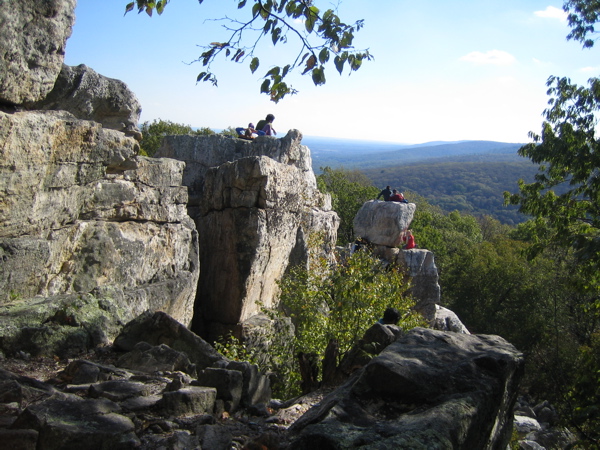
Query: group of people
column 264, row 127
column 391, row 195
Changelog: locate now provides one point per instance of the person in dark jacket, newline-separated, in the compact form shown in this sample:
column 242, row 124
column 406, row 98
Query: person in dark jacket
column 266, row 125
column 386, row 193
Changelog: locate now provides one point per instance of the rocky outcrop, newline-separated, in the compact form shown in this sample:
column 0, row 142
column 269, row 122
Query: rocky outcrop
column 429, row 389
column 90, row 96
column 144, row 400
column 381, row 225
column 256, row 206
column 90, row 234
column 32, row 46
column 420, row 266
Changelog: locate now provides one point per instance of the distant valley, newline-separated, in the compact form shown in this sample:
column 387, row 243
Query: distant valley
column 468, row 176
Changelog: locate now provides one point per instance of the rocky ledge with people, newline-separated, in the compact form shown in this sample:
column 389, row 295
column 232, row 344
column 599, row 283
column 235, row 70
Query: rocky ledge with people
column 103, row 253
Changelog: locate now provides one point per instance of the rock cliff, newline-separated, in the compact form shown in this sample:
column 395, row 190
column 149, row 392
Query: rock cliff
column 85, row 221
column 256, row 206
column 91, row 235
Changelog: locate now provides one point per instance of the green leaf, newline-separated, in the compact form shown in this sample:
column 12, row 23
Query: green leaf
column 255, row 9
column 339, row 63
column 318, row 76
column 310, row 63
column 324, row 56
column 309, row 23
column 273, row 72
column 264, row 88
column 282, row 4
column 267, row 26
column 238, row 55
column 241, row 4
column 129, row 7
column 275, row 34
column 254, row 64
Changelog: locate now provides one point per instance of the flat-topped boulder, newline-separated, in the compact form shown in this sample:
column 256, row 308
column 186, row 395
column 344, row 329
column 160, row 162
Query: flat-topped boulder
column 382, row 223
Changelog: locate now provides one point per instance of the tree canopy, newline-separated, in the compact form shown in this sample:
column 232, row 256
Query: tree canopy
column 322, row 39
column 567, row 151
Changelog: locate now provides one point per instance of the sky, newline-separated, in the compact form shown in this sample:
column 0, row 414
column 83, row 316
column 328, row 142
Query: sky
column 442, row 70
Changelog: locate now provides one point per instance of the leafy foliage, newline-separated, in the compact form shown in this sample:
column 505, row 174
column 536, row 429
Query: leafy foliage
column 322, row 38
column 583, row 15
column 344, row 301
column 567, row 151
column 445, row 234
column 154, row 132
column 349, row 190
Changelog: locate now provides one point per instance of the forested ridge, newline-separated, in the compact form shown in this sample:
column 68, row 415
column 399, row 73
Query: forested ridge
column 469, row 186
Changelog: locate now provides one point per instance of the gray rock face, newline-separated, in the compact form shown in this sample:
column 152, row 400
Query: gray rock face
column 32, row 47
column 158, row 328
column 84, row 220
column 90, row 96
column 70, row 422
column 256, row 205
column 254, row 212
column 429, row 389
column 200, row 153
column 381, row 223
column 420, row 265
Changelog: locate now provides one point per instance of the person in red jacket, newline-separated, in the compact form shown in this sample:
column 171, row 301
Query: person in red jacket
column 397, row 197
column 409, row 240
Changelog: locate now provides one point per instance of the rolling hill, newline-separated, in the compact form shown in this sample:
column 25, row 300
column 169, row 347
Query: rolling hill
column 468, row 176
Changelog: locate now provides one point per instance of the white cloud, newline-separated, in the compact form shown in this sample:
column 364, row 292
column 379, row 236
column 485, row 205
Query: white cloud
column 551, row 12
column 495, row 57
column 589, row 69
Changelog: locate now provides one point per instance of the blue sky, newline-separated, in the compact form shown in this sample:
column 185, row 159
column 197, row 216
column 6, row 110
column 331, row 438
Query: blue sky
column 442, row 70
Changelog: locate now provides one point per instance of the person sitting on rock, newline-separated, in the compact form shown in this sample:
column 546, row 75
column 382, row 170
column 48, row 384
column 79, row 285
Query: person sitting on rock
column 397, row 197
column 409, row 239
column 266, row 125
column 247, row 133
column 391, row 316
column 386, row 193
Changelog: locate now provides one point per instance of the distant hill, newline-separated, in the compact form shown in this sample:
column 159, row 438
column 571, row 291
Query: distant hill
column 372, row 154
column 472, row 187
column 468, row 176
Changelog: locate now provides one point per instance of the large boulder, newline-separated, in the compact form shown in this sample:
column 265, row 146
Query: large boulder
column 33, row 35
column 157, row 328
column 84, row 222
column 72, row 422
column 90, row 96
column 382, row 223
column 429, row 389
